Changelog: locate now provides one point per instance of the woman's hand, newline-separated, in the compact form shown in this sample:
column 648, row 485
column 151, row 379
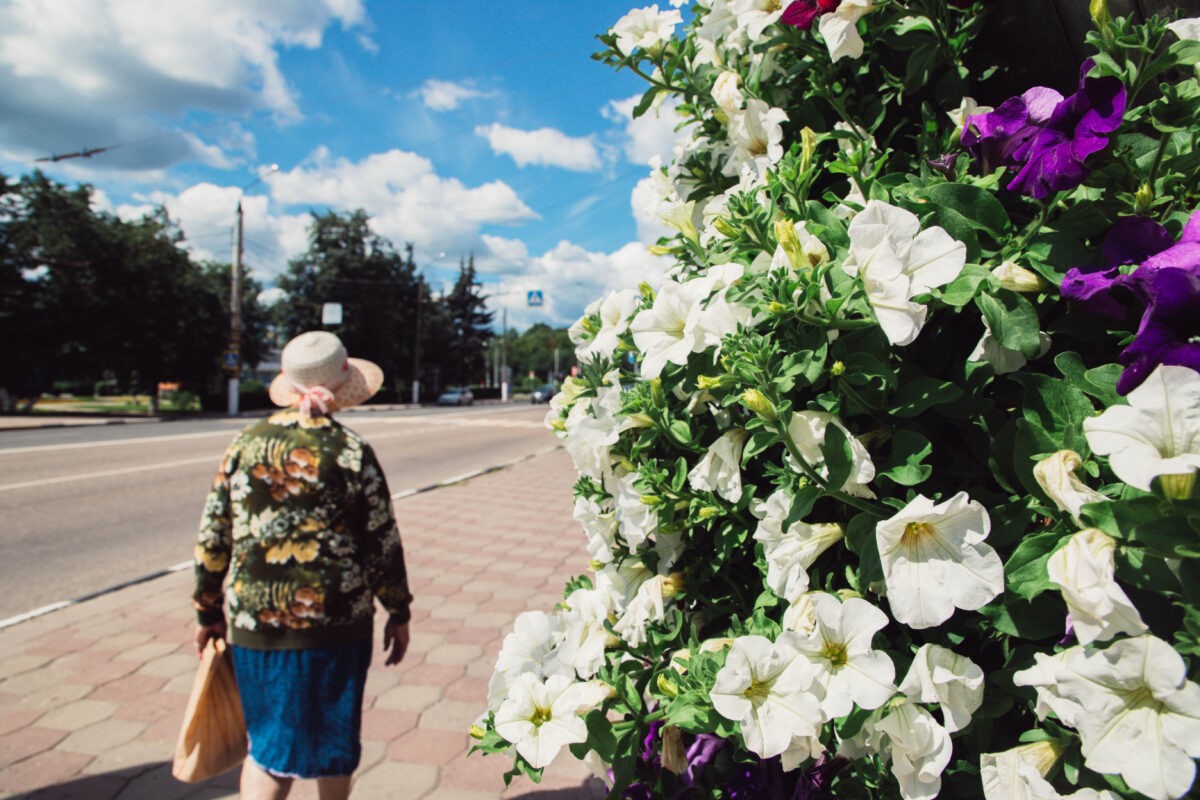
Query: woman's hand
column 206, row 632
column 395, row 642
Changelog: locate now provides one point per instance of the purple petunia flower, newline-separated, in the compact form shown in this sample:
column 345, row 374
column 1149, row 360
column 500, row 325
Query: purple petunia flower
column 802, row 13
column 1047, row 137
column 1166, row 283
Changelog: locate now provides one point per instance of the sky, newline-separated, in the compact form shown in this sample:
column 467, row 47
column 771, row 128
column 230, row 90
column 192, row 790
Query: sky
column 467, row 128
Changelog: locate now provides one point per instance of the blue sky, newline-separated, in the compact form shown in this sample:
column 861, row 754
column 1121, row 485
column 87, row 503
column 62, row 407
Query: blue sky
column 464, row 127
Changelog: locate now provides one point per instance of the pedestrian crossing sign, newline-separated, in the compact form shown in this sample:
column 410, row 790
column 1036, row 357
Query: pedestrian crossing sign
column 534, row 297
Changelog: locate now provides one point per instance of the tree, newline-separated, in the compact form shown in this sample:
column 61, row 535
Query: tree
column 347, row 263
column 534, row 351
column 463, row 360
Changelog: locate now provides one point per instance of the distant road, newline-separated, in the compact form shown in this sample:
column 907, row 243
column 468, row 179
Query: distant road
column 86, row 508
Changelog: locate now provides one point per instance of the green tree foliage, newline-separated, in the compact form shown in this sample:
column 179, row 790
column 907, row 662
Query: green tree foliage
column 87, row 293
column 533, row 351
column 347, row 263
column 463, row 360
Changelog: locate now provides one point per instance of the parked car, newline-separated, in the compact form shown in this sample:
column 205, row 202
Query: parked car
column 456, row 396
column 542, row 394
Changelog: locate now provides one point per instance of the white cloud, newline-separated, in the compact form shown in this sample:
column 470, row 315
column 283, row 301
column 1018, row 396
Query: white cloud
column 652, row 134
column 446, row 95
column 569, row 278
column 644, row 201
column 104, row 72
column 544, row 146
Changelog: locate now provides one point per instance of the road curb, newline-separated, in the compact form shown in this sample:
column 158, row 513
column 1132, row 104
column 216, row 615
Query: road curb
column 162, row 573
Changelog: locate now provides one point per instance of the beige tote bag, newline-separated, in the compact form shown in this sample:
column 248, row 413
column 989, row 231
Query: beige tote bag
column 213, row 737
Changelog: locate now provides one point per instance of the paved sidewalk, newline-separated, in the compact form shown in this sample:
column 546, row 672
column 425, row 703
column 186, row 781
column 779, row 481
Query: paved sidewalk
column 91, row 696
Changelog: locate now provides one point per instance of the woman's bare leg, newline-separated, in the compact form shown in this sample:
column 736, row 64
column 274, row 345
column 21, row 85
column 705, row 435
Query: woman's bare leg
column 334, row 788
column 258, row 784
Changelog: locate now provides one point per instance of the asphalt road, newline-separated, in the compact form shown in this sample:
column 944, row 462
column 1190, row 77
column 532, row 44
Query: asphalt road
column 83, row 509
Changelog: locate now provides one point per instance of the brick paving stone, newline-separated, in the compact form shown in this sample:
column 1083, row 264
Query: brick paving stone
column 170, row 666
column 408, row 698
column 93, row 787
column 453, row 611
column 78, row 715
column 96, row 671
column 131, row 759
column 382, row 680
column 383, row 724
column 21, row 744
column 60, row 646
column 147, row 651
column 454, row 654
column 422, row 641
column 159, row 784
column 122, row 642
column 442, row 624
column 44, row 769
column 498, row 619
column 392, row 781
column 20, row 663
column 450, row 715
column 425, row 746
column 468, row 689
column 15, row 718
column 471, row 634
column 96, row 739
column 128, row 689
column 439, row 674
column 28, row 682
column 54, row 696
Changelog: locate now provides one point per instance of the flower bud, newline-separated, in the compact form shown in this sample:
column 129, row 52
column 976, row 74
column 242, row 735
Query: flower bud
column 1102, row 18
column 776, row 308
column 1042, row 756
column 647, row 291
column 674, row 757
column 724, row 227
column 848, row 594
column 656, row 392
column 639, row 420
column 659, row 250
column 1178, row 486
column 667, row 686
column 785, row 232
column 1142, row 199
column 477, row 732
column 596, row 566
column 808, row 147
column 837, row 369
column 674, row 584
column 558, row 424
column 649, row 499
column 1019, row 279
column 708, row 381
column 709, row 512
column 757, row 402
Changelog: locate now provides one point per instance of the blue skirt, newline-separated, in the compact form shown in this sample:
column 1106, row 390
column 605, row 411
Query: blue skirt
column 304, row 707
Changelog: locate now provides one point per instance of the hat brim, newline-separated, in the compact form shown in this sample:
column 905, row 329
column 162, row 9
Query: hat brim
column 361, row 384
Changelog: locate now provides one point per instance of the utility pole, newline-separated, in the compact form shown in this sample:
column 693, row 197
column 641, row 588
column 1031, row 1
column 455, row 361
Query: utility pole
column 504, row 356
column 235, row 315
column 416, row 380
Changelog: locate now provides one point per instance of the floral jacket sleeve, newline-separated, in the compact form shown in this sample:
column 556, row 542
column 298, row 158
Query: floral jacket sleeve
column 386, row 573
column 213, row 549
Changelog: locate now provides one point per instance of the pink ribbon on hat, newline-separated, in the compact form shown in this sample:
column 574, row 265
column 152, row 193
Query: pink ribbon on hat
column 318, row 398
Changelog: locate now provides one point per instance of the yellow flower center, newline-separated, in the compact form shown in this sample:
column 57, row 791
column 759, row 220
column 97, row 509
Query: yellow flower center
column 757, row 691
column 540, row 716
column 1142, row 697
column 835, row 652
column 916, row 535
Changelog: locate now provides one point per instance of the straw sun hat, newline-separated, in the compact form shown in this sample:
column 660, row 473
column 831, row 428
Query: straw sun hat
column 319, row 378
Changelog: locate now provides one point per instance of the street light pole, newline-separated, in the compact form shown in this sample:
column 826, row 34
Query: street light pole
column 416, row 381
column 504, row 356
column 235, row 316
column 235, row 302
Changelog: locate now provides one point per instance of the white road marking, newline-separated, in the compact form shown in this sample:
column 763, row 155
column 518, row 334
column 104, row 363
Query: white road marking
column 111, row 472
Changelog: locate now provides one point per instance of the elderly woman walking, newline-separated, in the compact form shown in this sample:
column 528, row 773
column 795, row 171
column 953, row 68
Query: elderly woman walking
column 300, row 521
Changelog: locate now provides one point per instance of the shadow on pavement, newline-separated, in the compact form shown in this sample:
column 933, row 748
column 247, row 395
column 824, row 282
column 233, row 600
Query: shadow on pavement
column 591, row 789
column 153, row 780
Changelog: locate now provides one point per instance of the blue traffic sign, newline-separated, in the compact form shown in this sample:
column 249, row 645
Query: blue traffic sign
column 230, row 359
column 534, row 297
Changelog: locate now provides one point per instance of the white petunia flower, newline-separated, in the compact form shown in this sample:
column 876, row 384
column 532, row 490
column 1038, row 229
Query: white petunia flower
column 727, row 93
column 541, row 717
column 1083, row 570
column 920, row 750
column 645, row 607
column 898, row 261
column 529, row 648
column 584, row 637
column 615, row 310
column 1186, row 29
column 637, row 520
column 1019, row 774
column 764, row 687
column 755, row 16
column 661, row 331
column 941, row 676
column 1158, row 433
column 757, row 137
column 1056, row 476
column 600, row 527
column 1135, row 710
column 720, row 470
column 808, row 253
column 792, row 551
column 967, row 108
column 935, row 560
column 807, row 431
column 645, row 28
column 593, row 426
column 848, row 671
column 839, row 28
column 801, row 615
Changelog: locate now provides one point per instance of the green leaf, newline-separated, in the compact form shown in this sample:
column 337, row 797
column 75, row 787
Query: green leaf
column 860, row 540
column 681, row 432
column 918, row 394
column 978, row 207
column 1099, row 382
column 839, row 458
column 1039, row 619
column 1057, row 407
column 1120, row 519
column 1025, row 571
column 965, row 287
column 1012, row 320
column 1170, row 536
column 904, row 466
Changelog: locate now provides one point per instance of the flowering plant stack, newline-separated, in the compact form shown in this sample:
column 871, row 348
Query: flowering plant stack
column 889, row 485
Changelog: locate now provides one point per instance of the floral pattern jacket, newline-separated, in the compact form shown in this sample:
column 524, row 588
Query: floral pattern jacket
column 300, row 521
